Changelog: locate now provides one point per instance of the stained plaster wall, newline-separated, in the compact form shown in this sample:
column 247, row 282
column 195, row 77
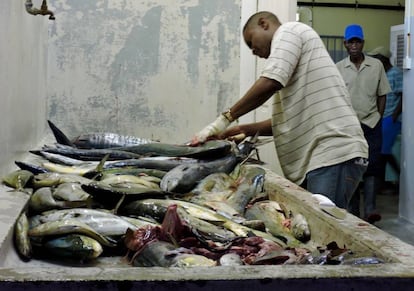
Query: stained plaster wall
column 156, row 69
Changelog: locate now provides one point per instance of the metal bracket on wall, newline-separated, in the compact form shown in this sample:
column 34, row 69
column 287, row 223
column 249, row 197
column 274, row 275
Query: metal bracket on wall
column 42, row 11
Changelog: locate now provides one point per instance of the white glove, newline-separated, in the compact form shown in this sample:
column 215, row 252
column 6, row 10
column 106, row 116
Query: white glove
column 217, row 126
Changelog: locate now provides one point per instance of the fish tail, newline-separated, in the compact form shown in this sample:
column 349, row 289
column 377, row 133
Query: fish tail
column 59, row 135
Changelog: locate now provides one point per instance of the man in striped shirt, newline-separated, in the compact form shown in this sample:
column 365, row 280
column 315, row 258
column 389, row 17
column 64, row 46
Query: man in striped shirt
column 316, row 132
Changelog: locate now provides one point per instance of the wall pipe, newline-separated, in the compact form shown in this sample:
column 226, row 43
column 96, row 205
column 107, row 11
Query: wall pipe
column 354, row 5
column 42, row 11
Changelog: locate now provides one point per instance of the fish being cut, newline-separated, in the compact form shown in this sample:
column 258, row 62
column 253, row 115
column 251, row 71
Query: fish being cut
column 95, row 146
column 184, row 178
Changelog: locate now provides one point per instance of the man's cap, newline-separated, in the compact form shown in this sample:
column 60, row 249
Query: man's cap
column 353, row 31
column 380, row 51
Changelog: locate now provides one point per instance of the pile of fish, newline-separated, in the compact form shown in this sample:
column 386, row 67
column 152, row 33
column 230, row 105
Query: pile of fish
column 157, row 204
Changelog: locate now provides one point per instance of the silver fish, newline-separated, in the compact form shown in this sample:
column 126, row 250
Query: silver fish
column 108, row 143
column 245, row 192
column 213, row 183
column 144, row 181
column 163, row 254
column 273, row 216
column 53, row 179
column 64, row 169
column 89, row 154
column 59, row 214
column 97, row 140
column 62, row 159
column 103, row 222
column 21, row 237
column 205, row 230
column 18, row 179
column 159, row 163
column 70, row 191
column 68, row 226
column 42, row 199
column 74, row 246
column 230, row 259
column 108, row 140
column 184, row 178
column 363, row 261
column 158, row 207
column 130, row 171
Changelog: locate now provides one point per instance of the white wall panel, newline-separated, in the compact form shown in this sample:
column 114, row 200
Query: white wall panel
column 286, row 11
column 406, row 198
column 23, row 59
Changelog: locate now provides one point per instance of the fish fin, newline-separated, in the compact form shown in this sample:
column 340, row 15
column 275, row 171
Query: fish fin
column 250, row 160
column 36, row 152
column 100, row 166
column 59, row 135
column 118, row 204
column 71, row 204
column 96, row 174
column 21, row 190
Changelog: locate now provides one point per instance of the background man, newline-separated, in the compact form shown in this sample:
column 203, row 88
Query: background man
column 367, row 83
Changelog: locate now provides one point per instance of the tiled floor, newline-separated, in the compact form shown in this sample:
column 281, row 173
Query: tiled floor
column 387, row 205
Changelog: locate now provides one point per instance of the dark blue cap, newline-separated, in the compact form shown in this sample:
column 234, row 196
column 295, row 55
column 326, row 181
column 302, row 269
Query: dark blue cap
column 354, row 31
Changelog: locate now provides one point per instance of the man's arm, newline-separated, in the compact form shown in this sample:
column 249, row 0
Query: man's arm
column 381, row 104
column 398, row 109
column 258, row 94
column 264, row 128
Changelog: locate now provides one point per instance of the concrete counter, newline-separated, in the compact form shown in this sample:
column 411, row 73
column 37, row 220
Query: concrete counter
column 111, row 273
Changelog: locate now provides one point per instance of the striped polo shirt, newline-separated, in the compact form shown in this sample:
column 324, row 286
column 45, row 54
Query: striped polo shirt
column 313, row 122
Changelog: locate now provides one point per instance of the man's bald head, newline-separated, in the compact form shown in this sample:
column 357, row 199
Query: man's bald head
column 254, row 20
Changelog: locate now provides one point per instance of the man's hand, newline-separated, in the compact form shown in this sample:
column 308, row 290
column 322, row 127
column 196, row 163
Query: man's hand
column 214, row 128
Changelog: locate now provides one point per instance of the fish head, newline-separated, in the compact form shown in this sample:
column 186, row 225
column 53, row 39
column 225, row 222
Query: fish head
column 300, row 228
column 181, row 178
column 169, row 184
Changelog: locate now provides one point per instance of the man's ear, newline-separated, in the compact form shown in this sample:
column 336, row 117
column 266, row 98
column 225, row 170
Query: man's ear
column 263, row 23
